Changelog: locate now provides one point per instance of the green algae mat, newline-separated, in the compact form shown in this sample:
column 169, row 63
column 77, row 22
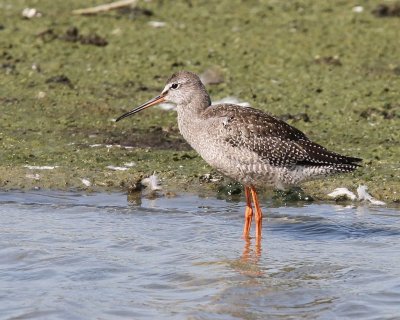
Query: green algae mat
column 330, row 68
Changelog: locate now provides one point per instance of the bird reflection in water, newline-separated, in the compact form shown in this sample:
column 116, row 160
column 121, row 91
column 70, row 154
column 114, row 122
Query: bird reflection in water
column 248, row 263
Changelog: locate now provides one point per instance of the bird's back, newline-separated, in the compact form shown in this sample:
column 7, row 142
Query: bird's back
column 246, row 143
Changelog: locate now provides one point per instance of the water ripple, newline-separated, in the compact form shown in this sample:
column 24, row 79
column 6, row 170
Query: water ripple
column 75, row 256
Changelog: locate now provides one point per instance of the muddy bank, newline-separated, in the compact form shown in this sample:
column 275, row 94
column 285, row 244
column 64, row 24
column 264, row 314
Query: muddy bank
column 329, row 69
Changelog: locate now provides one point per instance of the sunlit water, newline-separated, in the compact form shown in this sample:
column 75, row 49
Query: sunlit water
column 74, row 256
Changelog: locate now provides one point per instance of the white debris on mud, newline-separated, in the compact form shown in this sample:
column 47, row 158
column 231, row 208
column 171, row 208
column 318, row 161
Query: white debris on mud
column 227, row 100
column 232, row 100
column 358, row 9
column 362, row 193
column 35, row 176
column 116, row 168
column 40, row 167
column 340, row 192
column 129, row 164
column 109, row 146
column 157, row 24
column 152, row 183
column 29, row 13
column 86, row 182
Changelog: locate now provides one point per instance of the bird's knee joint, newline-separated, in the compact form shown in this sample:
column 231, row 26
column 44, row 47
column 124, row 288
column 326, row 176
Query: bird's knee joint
column 248, row 214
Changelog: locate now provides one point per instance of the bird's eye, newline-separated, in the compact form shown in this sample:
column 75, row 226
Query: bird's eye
column 175, row 86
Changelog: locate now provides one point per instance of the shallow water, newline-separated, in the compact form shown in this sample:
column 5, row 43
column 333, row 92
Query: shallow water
column 74, row 256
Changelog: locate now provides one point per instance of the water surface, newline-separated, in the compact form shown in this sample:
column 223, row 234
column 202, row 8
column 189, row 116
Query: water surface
column 75, row 256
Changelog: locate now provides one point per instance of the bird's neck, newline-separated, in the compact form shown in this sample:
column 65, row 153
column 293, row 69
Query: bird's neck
column 195, row 107
column 190, row 118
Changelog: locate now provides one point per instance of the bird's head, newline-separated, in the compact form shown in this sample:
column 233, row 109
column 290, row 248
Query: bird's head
column 181, row 88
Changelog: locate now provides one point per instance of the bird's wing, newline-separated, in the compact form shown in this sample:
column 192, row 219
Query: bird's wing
column 275, row 141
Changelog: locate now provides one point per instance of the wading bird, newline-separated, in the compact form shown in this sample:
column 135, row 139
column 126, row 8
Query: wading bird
column 246, row 144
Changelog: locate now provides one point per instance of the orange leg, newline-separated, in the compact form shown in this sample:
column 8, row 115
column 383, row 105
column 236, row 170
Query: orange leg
column 248, row 215
column 258, row 212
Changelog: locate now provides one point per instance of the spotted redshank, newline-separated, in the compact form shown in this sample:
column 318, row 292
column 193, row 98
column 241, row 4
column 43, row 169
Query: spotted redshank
column 246, row 144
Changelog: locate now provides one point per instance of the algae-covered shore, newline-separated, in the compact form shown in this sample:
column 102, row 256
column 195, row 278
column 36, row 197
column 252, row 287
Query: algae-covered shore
column 328, row 68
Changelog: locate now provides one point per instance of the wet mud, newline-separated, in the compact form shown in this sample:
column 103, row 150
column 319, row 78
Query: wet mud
column 330, row 71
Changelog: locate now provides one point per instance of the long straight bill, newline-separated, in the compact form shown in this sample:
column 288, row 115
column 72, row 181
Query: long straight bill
column 149, row 103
